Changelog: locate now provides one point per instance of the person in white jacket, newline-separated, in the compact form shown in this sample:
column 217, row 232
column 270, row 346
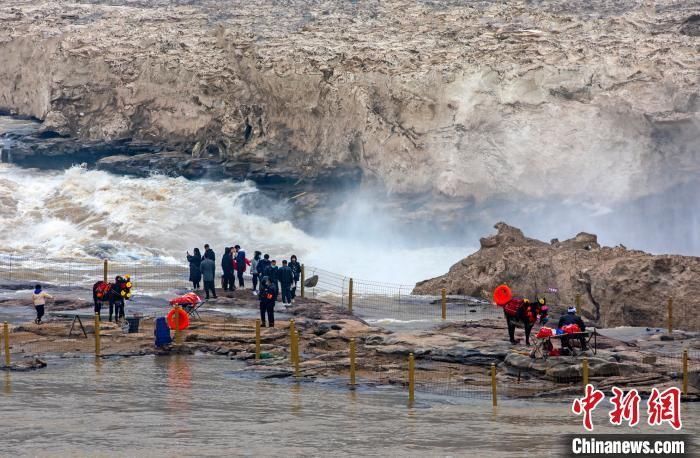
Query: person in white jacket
column 39, row 298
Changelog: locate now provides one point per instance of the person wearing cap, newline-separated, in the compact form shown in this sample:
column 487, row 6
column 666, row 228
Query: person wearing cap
column 572, row 318
column 39, row 298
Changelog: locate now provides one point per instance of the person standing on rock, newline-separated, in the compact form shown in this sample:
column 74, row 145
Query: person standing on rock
column 195, row 274
column 572, row 318
column 39, row 298
column 263, row 264
column 208, row 268
column 254, row 270
column 296, row 270
column 229, row 282
column 286, row 278
column 272, row 272
column 267, row 297
column 241, row 262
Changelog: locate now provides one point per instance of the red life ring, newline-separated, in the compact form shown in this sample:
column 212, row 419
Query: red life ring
column 184, row 319
column 502, row 294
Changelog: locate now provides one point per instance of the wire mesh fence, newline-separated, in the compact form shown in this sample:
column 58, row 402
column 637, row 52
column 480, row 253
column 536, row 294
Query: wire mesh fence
column 151, row 276
column 390, row 301
column 381, row 302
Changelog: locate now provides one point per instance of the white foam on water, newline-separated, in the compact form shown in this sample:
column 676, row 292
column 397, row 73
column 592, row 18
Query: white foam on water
column 80, row 214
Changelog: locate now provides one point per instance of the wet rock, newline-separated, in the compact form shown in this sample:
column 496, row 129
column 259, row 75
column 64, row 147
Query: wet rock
column 26, row 364
column 373, row 340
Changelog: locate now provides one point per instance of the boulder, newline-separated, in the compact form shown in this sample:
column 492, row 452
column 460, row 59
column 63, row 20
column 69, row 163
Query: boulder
column 618, row 287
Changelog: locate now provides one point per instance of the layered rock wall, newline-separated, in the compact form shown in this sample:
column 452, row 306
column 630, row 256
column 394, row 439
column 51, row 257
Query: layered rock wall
column 420, row 97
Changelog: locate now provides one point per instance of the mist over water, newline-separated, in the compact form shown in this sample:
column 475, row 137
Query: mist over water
column 80, row 213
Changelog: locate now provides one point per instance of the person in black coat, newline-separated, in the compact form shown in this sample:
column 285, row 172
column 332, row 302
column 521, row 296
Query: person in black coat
column 286, row 278
column 572, row 318
column 296, row 269
column 267, row 297
column 271, row 272
column 195, row 274
column 209, row 253
column 228, row 281
column 240, row 264
column 262, row 266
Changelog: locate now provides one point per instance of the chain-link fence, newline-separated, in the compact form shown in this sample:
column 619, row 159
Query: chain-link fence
column 376, row 301
column 389, row 301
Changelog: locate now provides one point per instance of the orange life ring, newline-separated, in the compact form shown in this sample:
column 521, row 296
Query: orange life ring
column 502, row 294
column 184, row 319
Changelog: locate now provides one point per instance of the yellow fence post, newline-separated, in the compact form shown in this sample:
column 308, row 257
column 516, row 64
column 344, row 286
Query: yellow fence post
column 6, row 337
column 444, row 304
column 578, row 304
column 257, row 339
column 106, row 270
column 352, row 362
column 97, row 335
column 670, row 315
column 350, row 297
column 685, row 372
column 303, row 280
column 296, row 355
column 294, row 347
column 494, row 393
column 176, row 319
column 585, row 373
column 292, row 331
column 411, row 378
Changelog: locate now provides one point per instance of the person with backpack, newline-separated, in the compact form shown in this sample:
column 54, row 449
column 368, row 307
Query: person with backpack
column 286, row 278
column 267, row 297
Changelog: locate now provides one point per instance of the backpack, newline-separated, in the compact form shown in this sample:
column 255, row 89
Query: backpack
column 162, row 332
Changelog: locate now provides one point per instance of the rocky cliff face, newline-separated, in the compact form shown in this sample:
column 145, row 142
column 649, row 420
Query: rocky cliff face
column 618, row 286
column 443, row 98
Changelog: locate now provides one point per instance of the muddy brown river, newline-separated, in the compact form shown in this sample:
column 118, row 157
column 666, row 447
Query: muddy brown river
column 201, row 405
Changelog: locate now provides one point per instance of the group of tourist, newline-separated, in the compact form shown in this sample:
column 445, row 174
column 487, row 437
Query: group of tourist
column 269, row 279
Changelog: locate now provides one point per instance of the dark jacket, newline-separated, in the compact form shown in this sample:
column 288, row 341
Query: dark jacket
column 262, row 265
column 296, row 269
column 240, row 260
column 227, row 263
column 285, row 275
column 208, row 269
column 195, row 273
column 272, row 272
column 267, row 295
column 210, row 254
column 571, row 318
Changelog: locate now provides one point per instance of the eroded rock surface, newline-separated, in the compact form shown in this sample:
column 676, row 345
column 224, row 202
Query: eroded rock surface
column 420, row 97
column 617, row 286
